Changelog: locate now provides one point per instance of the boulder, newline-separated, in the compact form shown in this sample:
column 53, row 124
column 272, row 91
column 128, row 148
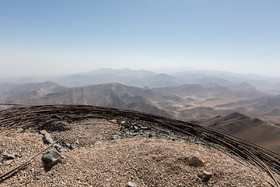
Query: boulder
column 195, row 162
column 58, row 126
column 51, row 158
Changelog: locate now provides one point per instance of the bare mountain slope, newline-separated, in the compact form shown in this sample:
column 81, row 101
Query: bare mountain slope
column 254, row 130
column 264, row 107
column 180, row 102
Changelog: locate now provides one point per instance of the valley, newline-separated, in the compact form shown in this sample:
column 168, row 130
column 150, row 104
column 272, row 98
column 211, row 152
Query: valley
column 254, row 114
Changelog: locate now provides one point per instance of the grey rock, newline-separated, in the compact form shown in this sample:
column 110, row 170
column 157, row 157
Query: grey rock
column 8, row 156
column 69, row 146
column 130, row 184
column 98, row 142
column 51, row 158
column 47, row 139
column 25, row 154
column 20, row 130
column 205, row 176
column 195, row 162
column 44, row 132
column 59, row 148
column 115, row 137
column 7, row 162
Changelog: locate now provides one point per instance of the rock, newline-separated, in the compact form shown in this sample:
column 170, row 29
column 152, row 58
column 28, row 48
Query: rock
column 113, row 121
column 47, row 139
column 7, row 162
column 195, row 162
column 9, row 156
column 205, row 176
column 98, row 142
column 69, row 146
column 58, row 126
column 51, row 158
column 145, row 128
column 20, row 130
column 44, row 132
column 114, row 137
column 25, row 154
column 130, row 184
column 60, row 148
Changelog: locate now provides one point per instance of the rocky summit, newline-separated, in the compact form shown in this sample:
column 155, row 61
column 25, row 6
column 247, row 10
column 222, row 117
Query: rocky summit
column 78, row 145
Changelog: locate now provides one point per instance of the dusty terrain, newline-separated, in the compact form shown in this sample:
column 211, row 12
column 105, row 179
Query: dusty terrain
column 112, row 147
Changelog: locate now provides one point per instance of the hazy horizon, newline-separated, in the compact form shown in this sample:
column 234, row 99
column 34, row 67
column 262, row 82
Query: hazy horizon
column 51, row 38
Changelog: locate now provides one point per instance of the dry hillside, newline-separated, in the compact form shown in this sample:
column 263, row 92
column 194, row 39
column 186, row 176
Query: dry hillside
column 265, row 134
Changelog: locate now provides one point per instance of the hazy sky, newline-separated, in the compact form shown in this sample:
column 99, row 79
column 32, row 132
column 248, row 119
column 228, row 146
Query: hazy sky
column 54, row 37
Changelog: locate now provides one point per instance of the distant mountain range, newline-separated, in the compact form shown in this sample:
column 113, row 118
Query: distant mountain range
column 185, row 102
column 143, row 78
column 211, row 101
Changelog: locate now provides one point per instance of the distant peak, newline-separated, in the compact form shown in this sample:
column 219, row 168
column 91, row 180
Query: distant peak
column 235, row 115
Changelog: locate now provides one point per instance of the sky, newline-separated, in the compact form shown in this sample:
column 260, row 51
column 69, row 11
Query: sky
column 55, row 37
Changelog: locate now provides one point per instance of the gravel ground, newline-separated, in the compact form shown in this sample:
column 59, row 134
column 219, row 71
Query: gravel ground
column 143, row 161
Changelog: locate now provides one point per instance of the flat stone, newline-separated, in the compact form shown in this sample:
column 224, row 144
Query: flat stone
column 44, row 132
column 123, row 123
column 130, row 184
column 113, row 121
column 20, row 130
column 98, row 142
column 7, row 162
